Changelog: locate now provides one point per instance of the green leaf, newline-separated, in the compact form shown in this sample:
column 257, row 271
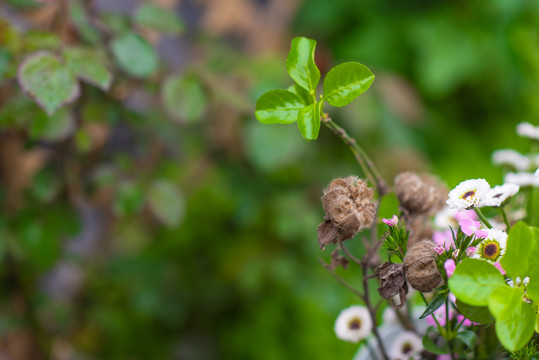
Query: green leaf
column 432, row 347
column 88, row 65
column 434, row 304
column 478, row 314
column 468, row 337
column 345, row 82
column 134, row 54
column 52, row 128
column 522, row 247
column 300, row 64
column 515, row 319
column 278, row 107
column 47, row 81
column 309, row 121
column 474, row 280
column 128, row 199
column 184, row 98
column 159, row 19
column 303, row 94
column 166, row 202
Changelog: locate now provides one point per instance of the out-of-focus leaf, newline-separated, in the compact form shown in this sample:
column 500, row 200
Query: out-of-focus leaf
column 47, row 81
column 134, row 54
column 432, row 347
column 520, row 255
column 166, row 202
column 159, row 19
column 88, row 65
column 83, row 141
column 116, row 23
column 129, row 199
column 184, row 98
column 468, row 337
column 478, row 314
column 300, row 64
column 53, row 128
column 78, row 17
column 345, row 82
column 35, row 41
column 278, row 107
column 309, row 121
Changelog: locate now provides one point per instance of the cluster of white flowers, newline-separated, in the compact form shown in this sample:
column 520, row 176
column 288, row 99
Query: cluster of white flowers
column 522, row 179
column 511, row 158
column 528, row 130
column 477, row 193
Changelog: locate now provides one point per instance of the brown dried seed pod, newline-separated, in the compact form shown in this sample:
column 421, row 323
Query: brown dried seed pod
column 419, row 194
column 348, row 204
column 420, row 267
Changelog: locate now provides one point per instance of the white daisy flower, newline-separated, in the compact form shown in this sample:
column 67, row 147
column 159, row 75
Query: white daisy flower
column 522, row 179
column 407, row 345
column 499, row 194
column 528, row 130
column 492, row 247
column 468, row 194
column 512, row 158
column 353, row 324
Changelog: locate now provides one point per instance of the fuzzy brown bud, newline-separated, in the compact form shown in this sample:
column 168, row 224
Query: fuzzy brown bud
column 419, row 194
column 420, row 267
column 348, row 204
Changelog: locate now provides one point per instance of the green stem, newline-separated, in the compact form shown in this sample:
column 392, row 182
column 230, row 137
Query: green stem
column 482, row 217
column 449, row 334
column 366, row 164
column 504, row 216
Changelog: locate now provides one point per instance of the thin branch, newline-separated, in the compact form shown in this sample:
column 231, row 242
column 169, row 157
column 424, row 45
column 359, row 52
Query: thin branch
column 341, row 246
column 342, row 281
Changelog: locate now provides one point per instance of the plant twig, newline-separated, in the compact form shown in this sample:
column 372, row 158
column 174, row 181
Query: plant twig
column 341, row 246
column 361, row 157
column 342, row 281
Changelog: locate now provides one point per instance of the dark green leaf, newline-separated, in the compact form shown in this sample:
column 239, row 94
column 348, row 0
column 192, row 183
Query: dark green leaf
column 278, row 107
column 515, row 319
column 159, row 19
column 478, row 314
column 134, row 54
column 434, row 305
column 128, row 199
column 53, row 128
column 88, row 65
column 47, row 81
column 300, row 64
column 184, row 98
column 345, row 82
column 468, row 337
column 432, row 347
column 474, row 280
column 309, row 121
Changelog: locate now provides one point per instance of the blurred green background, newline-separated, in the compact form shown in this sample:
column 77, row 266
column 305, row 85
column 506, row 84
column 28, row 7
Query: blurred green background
column 146, row 223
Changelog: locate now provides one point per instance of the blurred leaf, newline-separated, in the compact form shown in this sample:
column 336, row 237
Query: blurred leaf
column 309, row 121
column 184, row 98
column 431, row 346
column 53, row 128
column 4, row 63
column 515, row 319
column 166, row 202
column 78, row 17
column 345, row 82
column 478, row 314
column 300, row 64
column 128, row 199
column 468, row 337
column 278, row 107
column 83, row 140
column 134, row 54
column 116, row 23
column 88, row 65
column 474, row 280
column 160, row 19
column 47, row 81
column 36, row 41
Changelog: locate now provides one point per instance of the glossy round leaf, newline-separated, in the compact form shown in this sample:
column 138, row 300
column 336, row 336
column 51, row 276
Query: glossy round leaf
column 346, row 82
column 47, row 81
column 474, row 280
column 309, row 121
column 278, row 107
column 134, row 54
column 520, row 255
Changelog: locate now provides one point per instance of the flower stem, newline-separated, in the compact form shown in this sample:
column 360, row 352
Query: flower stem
column 366, row 164
column 504, row 216
column 482, row 217
column 449, row 334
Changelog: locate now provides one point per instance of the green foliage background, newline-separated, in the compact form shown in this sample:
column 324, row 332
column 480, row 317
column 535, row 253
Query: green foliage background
column 238, row 277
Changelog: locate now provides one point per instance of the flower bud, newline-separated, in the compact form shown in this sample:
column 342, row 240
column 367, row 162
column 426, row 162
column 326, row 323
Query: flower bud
column 420, row 266
column 419, row 194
